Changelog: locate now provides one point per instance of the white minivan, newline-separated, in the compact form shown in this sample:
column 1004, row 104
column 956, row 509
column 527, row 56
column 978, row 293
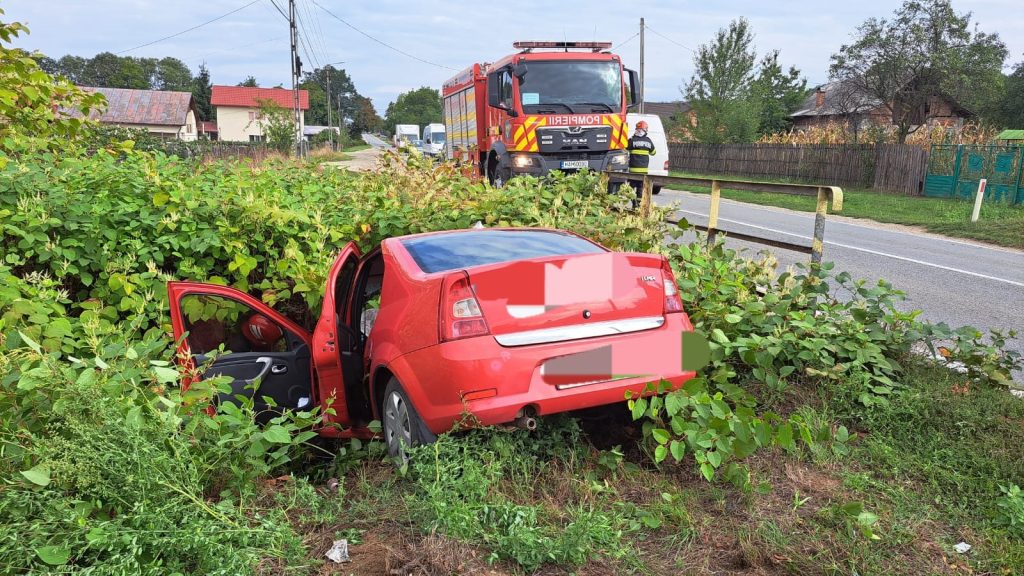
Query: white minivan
column 656, row 132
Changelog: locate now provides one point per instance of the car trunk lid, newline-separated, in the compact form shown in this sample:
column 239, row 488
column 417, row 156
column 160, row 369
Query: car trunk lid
column 594, row 294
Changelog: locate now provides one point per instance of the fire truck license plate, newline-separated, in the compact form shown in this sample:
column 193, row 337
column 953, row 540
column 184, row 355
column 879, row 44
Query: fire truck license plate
column 575, row 164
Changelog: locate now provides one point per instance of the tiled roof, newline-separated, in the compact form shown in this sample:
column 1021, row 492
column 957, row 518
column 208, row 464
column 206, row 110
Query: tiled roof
column 245, row 97
column 154, row 107
column 207, row 126
column 666, row 109
column 839, row 98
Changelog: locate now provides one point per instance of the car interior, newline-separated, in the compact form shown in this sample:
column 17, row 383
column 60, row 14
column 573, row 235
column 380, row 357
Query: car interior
column 266, row 362
column 355, row 357
column 272, row 365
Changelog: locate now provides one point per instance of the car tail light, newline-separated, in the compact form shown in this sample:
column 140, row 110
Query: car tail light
column 673, row 303
column 460, row 314
column 666, row 164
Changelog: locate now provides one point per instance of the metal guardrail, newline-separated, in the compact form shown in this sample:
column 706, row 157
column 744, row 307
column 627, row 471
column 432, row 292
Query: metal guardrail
column 824, row 194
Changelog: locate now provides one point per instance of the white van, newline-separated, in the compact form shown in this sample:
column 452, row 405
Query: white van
column 656, row 132
column 433, row 139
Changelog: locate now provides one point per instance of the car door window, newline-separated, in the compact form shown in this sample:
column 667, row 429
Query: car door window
column 218, row 323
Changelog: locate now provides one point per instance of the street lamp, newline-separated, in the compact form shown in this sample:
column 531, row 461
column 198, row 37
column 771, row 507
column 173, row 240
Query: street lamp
column 331, row 133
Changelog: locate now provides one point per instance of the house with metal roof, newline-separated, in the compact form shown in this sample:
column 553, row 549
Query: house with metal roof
column 238, row 110
column 843, row 101
column 166, row 114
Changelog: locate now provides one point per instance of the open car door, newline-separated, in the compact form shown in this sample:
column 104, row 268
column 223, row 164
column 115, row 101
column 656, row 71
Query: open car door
column 335, row 346
column 267, row 355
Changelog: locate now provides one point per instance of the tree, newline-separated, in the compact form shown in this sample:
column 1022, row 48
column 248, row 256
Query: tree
column 343, row 99
column 37, row 109
column 778, row 93
column 420, row 106
column 202, row 92
column 925, row 50
column 172, row 74
column 71, row 67
column 725, row 107
column 1010, row 110
column 366, row 118
column 277, row 124
column 111, row 71
column 249, row 82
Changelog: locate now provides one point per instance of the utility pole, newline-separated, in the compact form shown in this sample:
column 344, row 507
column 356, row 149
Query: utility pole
column 296, row 71
column 330, row 129
column 328, row 68
column 341, row 118
column 641, row 65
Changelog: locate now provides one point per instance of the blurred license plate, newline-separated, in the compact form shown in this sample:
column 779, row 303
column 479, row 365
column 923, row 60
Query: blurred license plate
column 575, row 164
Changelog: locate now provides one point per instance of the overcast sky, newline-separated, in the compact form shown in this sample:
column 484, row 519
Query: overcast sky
column 454, row 34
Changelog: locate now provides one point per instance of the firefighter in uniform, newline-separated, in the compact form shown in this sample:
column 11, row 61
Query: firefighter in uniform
column 641, row 148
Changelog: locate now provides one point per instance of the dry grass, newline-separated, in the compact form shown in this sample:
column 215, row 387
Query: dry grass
column 839, row 133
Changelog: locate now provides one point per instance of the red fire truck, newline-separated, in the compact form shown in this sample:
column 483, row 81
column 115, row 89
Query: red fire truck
column 550, row 106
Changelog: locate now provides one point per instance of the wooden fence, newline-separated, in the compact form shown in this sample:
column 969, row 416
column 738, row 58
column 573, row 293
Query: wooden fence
column 885, row 167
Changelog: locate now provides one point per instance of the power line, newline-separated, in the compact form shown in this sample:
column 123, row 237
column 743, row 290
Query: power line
column 671, row 40
column 624, row 42
column 176, row 34
column 310, row 54
column 381, row 42
column 314, row 18
column 234, row 48
column 285, row 16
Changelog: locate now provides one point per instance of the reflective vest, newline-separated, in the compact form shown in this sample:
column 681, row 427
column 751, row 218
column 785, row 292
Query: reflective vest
column 641, row 148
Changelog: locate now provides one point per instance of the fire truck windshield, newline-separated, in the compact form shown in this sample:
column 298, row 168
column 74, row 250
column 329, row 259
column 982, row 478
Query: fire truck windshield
column 573, row 86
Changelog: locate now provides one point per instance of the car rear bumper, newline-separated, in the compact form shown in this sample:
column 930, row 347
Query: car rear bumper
column 496, row 384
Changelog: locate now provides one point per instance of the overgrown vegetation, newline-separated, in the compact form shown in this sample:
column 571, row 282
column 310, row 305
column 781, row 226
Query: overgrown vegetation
column 844, row 451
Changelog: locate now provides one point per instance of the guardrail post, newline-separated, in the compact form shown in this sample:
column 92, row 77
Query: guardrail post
column 716, row 195
column 819, row 226
column 645, row 200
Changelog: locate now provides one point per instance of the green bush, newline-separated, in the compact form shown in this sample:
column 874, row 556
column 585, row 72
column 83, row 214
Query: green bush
column 112, row 228
column 1011, row 509
column 109, row 464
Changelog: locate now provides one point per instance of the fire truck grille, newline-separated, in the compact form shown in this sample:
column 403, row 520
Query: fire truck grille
column 554, row 140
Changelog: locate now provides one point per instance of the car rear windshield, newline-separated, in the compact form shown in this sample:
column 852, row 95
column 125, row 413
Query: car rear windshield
column 443, row 252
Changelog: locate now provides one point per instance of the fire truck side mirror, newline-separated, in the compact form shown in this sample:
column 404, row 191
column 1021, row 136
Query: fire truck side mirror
column 519, row 71
column 493, row 91
column 634, row 86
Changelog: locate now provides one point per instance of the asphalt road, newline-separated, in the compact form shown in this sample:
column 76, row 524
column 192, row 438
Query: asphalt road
column 952, row 281
column 374, row 141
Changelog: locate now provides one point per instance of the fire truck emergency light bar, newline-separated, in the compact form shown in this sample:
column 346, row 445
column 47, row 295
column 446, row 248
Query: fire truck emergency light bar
column 595, row 46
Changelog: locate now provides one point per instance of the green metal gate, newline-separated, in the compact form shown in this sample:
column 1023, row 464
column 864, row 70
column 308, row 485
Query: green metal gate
column 954, row 171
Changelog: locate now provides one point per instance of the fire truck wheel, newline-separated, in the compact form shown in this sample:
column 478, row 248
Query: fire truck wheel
column 501, row 176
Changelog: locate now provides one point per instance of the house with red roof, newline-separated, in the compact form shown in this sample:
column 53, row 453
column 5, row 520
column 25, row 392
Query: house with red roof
column 238, row 110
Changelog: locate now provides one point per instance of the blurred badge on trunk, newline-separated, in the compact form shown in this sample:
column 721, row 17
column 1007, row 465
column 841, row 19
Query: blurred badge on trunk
column 696, row 352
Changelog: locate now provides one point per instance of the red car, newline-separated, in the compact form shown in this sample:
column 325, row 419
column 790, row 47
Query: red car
column 500, row 324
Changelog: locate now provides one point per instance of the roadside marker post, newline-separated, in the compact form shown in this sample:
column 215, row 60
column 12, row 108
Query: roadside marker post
column 978, row 198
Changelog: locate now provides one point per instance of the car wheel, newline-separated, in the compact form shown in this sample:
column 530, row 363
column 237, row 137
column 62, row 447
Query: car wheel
column 656, row 190
column 401, row 424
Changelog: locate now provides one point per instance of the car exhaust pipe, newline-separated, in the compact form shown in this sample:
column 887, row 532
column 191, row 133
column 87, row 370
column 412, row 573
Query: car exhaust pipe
column 526, row 423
